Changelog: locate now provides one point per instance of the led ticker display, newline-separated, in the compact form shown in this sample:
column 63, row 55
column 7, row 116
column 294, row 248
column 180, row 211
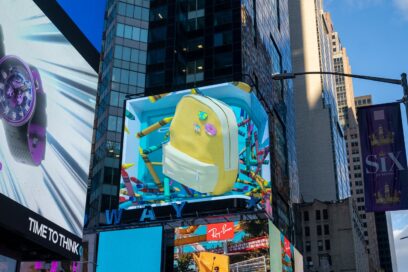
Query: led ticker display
column 247, row 247
column 210, row 143
column 47, row 101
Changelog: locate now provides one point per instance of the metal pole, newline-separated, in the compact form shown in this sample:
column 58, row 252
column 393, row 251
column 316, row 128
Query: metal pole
column 404, row 85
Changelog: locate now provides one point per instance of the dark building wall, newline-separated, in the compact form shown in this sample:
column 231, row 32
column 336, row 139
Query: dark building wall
column 265, row 51
column 383, row 241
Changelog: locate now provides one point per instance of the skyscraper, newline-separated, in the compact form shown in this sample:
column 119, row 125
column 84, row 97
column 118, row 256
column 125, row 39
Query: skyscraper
column 347, row 115
column 152, row 47
column 320, row 144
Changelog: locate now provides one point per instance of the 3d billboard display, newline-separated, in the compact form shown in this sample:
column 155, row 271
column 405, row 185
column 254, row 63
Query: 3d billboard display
column 190, row 146
column 229, row 246
column 47, row 102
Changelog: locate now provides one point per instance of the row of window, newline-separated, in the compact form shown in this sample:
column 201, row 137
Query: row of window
column 318, row 230
column 128, row 77
column 317, row 215
column 131, row 33
column 115, row 123
column 130, row 54
column 308, row 245
column 132, row 11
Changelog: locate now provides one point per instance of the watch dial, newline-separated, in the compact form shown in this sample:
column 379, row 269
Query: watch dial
column 17, row 91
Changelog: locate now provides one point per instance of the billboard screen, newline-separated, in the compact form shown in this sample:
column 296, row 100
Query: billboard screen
column 229, row 246
column 197, row 145
column 47, row 101
column 130, row 250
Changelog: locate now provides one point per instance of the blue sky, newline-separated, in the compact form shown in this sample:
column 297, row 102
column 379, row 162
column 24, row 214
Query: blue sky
column 88, row 15
column 375, row 34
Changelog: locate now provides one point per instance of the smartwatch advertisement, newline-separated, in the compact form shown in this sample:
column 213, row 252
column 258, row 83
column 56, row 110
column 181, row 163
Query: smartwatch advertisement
column 47, row 102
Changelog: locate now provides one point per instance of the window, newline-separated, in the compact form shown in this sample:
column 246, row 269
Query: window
column 327, row 244
column 317, row 214
column 320, row 245
column 119, row 30
column 319, row 230
column 222, row 38
column 325, row 214
column 326, row 230
column 307, row 231
column 223, row 60
column 306, row 216
column 112, row 123
column 223, row 17
column 308, row 246
column 195, row 71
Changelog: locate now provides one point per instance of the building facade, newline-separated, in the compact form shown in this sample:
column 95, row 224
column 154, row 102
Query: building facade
column 333, row 237
column 322, row 167
column 348, row 119
column 152, row 47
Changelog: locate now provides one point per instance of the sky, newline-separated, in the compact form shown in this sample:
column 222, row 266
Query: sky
column 88, row 15
column 375, row 34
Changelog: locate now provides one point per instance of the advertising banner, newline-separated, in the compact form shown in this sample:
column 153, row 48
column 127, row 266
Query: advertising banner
column 198, row 145
column 247, row 249
column 47, row 102
column 384, row 158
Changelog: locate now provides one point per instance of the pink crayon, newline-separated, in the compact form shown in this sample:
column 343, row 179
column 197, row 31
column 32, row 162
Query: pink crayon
column 246, row 121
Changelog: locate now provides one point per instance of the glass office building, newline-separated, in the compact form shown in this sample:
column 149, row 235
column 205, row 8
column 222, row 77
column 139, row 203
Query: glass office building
column 153, row 47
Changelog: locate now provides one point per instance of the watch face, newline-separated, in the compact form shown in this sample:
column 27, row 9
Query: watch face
column 17, row 91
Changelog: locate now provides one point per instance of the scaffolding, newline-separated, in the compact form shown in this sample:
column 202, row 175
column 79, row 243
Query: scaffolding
column 252, row 265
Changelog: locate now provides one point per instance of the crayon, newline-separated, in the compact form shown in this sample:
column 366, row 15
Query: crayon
column 135, row 180
column 127, row 165
column 151, row 170
column 246, row 121
column 154, row 127
column 241, row 133
column 155, row 98
column 128, row 184
column 130, row 115
column 166, row 182
column 196, row 91
column 152, row 148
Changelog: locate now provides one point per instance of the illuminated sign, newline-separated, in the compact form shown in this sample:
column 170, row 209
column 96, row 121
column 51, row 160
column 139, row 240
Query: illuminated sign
column 195, row 146
column 220, row 231
column 47, row 102
column 248, row 246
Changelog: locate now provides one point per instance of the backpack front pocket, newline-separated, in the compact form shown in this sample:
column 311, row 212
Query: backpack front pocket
column 189, row 171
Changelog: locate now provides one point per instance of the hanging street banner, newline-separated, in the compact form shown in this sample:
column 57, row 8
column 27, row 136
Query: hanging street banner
column 384, row 158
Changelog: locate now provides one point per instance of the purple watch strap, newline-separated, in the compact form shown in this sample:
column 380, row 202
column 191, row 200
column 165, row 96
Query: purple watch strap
column 37, row 126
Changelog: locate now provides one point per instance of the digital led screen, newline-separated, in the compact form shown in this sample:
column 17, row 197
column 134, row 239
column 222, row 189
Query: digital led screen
column 130, row 250
column 47, row 102
column 230, row 246
column 190, row 146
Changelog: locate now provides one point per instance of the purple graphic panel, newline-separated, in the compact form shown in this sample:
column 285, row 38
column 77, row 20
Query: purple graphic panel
column 384, row 158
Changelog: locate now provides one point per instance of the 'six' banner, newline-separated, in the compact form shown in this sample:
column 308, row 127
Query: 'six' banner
column 384, row 158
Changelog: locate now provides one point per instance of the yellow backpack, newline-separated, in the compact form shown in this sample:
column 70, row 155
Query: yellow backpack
column 203, row 149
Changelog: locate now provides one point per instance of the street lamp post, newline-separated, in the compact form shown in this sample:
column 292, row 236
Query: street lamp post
column 402, row 82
